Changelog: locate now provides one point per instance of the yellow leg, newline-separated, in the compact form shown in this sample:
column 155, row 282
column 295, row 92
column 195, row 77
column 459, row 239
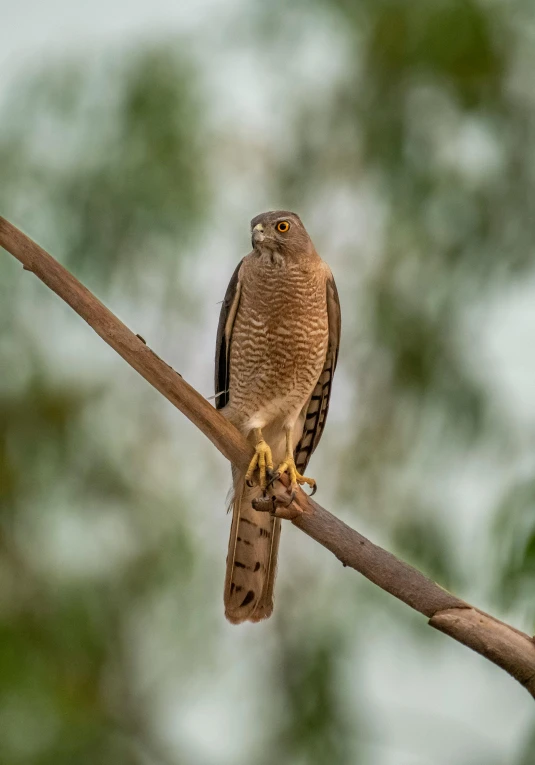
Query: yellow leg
column 288, row 466
column 262, row 460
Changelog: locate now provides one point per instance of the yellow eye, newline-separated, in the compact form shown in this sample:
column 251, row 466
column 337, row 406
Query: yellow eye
column 283, row 226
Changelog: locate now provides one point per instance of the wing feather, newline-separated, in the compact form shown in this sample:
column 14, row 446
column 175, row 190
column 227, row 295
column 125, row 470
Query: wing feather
column 229, row 309
column 318, row 405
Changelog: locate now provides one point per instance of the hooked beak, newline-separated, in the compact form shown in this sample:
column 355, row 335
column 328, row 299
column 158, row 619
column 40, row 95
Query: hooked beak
column 257, row 236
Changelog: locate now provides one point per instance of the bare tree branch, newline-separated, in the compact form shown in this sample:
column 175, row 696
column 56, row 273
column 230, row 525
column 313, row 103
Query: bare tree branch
column 502, row 644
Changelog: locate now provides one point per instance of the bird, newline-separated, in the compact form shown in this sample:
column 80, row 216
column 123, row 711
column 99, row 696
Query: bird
column 276, row 353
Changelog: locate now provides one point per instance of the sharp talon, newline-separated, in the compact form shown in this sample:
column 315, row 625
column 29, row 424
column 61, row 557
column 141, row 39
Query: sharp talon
column 260, row 465
column 275, row 475
column 314, row 489
column 296, row 479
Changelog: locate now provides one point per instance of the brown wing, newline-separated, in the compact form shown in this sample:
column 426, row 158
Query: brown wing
column 229, row 309
column 318, row 406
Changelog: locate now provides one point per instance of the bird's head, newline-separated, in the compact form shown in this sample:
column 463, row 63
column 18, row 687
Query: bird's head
column 280, row 233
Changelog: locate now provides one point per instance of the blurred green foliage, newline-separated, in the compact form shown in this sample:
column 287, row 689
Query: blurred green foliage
column 106, row 164
column 515, row 534
column 318, row 728
column 130, row 136
column 109, row 589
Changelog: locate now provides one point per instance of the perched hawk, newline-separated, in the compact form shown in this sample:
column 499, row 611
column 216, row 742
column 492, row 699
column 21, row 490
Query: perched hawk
column 276, row 352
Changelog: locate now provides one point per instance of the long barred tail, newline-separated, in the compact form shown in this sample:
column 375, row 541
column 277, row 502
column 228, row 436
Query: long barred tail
column 251, row 559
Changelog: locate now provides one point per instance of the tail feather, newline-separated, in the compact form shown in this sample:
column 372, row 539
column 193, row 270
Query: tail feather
column 264, row 608
column 251, row 559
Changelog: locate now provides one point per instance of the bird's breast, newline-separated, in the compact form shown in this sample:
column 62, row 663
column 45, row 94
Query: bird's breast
column 279, row 339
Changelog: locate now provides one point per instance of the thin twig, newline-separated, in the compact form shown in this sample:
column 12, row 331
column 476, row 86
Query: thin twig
column 502, row 644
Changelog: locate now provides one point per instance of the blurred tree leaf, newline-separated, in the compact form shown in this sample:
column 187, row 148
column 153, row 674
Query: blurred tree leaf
column 514, row 539
column 122, row 197
column 423, row 542
column 315, row 728
column 131, row 187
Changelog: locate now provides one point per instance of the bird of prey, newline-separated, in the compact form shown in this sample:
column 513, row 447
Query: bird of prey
column 276, row 352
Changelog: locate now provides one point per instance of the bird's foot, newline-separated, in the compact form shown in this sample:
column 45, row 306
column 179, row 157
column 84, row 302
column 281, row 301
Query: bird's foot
column 296, row 479
column 262, row 460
